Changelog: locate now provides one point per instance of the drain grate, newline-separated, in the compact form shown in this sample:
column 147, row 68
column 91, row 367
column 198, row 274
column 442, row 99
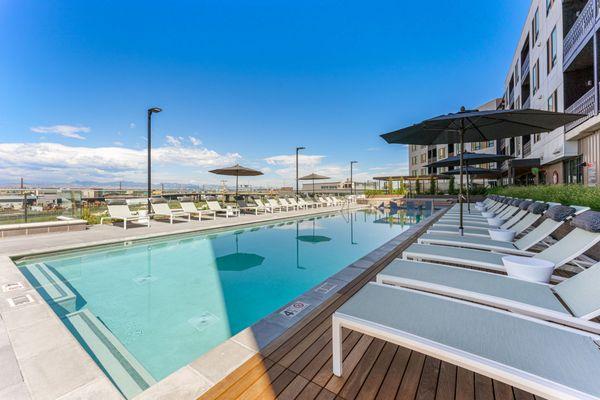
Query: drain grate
column 20, row 300
column 10, row 287
column 203, row 321
column 142, row 280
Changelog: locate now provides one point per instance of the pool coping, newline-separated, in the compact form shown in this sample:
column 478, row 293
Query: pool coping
column 37, row 360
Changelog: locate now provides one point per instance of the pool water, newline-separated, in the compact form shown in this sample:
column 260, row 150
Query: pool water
column 169, row 301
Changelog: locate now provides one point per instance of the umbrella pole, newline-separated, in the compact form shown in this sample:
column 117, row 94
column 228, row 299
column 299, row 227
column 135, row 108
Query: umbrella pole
column 460, row 187
column 468, row 193
column 236, row 184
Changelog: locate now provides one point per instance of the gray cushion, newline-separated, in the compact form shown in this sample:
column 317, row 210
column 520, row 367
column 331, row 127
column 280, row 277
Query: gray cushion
column 158, row 201
column 515, row 202
column 525, row 204
column 186, row 200
column 589, row 221
column 560, row 212
column 116, row 202
column 537, row 208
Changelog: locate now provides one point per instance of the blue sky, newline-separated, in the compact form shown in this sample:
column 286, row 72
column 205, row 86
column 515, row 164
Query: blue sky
column 238, row 81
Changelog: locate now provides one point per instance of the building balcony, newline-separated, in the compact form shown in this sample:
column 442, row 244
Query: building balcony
column 527, row 103
column 586, row 104
column 579, row 33
column 525, row 67
column 511, row 97
column 526, row 149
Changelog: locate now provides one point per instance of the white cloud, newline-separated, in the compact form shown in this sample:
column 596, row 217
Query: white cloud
column 131, row 125
column 68, row 131
column 194, row 140
column 288, row 160
column 117, row 143
column 53, row 162
column 173, row 141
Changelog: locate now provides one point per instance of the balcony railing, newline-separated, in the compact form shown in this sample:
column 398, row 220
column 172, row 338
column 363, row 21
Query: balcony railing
column 526, row 103
column 580, row 28
column 586, row 104
column 511, row 97
column 525, row 67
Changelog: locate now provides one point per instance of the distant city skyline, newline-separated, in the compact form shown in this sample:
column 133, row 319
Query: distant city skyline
column 239, row 83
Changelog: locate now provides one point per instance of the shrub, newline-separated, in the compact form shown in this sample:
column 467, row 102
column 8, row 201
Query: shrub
column 451, row 187
column 418, row 186
column 432, row 187
column 566, row 194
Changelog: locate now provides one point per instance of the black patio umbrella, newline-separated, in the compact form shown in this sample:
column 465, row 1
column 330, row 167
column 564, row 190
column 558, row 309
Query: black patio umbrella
column 468, row 160
column 478, row 126
column 313, row 177
column 237, row 170
column 238, row 261
column 313, row 238
column 482, row 173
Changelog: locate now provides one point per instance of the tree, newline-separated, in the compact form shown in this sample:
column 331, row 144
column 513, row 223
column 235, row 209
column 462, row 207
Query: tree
column 418, row 187
column 432, row 186
column 451, row 188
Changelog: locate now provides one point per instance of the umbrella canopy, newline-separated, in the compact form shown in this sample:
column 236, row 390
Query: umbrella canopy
column 478, row 172
column 313, row 177
column 470, row 159
column 313, row 238
column 478, row 126
column 236, row 170
column 238, row 261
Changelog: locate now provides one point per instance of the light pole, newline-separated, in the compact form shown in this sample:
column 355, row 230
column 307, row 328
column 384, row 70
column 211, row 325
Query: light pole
column 297, row 150
column 150, row 112
column 351, row 184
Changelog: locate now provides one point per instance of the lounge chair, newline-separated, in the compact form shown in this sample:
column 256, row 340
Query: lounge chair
column 189, row 206
column 339, row 201
column 308, row 202
column 324, row 202
column 119, row 210
column 529, row 214
column 277, row 205
column 227, row 212
column 573, row 302
column 244, row 206
column 286, row 205
column 298, row 206
column 575, row 243
column 540, row 357
column 266, row 207
column 555, row 217
column 160, row 207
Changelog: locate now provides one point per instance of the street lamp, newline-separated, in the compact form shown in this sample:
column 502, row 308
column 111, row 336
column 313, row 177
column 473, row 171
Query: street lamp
column 150, row 112
column 297, row 150
column 351, row 184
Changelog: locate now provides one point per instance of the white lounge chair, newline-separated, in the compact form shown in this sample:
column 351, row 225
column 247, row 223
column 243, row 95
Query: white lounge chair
column 227, row 212
column 573, row 302
column 160, row 207
column 288, row 206
column 308, row 203
column 244, row 206
column 540, row 357
column 298, row 206
column 324, row 202
column 119, row 210
column 189, row 206
column 555, row 217
column 277, row 205
column 266, row 207
column 575, row 243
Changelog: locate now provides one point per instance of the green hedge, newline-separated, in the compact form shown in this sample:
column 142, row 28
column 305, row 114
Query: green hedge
column 566, row 194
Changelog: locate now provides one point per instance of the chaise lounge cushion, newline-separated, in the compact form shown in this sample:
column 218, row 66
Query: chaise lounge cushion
column 116, row 202
column 525, row 204
column 589, row 221
column 560, row 212
column 158, row 201
column 515, row 202
column 537, row 208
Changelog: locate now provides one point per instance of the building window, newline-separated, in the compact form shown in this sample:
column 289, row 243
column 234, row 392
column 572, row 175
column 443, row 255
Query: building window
column 414, row 160
column 552, row 100
column 442, row 152
column 549, row 4
column 476, row 146
column 423, row 157
column 535, row 76
column 535, row 26
column 490, row 143
column 551, row 50
column 517, row 71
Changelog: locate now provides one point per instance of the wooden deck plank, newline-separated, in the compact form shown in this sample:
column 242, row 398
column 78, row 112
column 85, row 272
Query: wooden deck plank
column 320, row 360
column 446, row 388
column 255, row 364
column 246, row 381
column 325, row 394
column 310, row 391
column 305, row 343
column 522, row 395
column 325, row 373
column 357, row 377
column 316, row 347
column 262, row 384
column 502, row 391
column 391, row 382
column 375, row 378
column 412, row 376
column 293, row 390
column 429, row 379
column 484, row 389
column 336, row 382
column 465, row 384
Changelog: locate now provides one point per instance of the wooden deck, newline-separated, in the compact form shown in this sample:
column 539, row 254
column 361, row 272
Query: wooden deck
column 298, row 366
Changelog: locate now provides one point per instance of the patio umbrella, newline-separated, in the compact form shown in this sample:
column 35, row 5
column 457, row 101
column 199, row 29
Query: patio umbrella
column 469, row 159
column 482, row 173
column 313, row 238
column 313, row 177
column 237, row 170
column 478, row 126
column 238, row 261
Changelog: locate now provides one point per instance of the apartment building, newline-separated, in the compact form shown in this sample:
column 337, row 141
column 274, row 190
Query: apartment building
column 555, row 67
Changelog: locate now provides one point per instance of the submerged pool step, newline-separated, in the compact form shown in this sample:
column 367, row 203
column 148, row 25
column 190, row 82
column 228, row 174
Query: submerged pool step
column 121, row 367
column 53, row 289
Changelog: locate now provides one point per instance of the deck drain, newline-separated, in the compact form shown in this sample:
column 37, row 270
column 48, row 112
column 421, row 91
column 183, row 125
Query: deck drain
column 9, row 287
column 142, row 280
column 326, row 287
column 20, row 300
column 203, row 321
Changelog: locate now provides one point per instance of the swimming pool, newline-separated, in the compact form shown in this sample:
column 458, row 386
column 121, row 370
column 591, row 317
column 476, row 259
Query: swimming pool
column 143, row 310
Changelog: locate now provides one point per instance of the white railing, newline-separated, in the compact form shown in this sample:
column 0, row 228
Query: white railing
column 586, row 104
column 584, row 23
column 525, row 67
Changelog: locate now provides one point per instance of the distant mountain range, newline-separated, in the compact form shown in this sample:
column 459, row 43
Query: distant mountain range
column 115, row 185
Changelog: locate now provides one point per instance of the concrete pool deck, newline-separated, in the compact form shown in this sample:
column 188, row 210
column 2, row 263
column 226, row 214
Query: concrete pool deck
column 41, row 359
